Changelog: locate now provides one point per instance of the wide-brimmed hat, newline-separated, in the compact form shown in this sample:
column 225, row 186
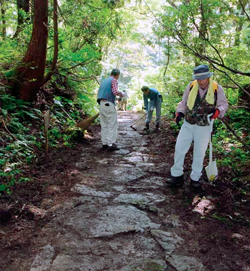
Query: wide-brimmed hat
column 202, row 72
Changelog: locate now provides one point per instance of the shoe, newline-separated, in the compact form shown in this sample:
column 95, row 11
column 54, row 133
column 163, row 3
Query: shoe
column 113, row 147
column 175, row 180
column 147, row 127
column 195, row 184
column 104, row 147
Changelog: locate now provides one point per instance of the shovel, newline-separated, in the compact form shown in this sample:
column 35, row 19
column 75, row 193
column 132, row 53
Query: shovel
column 211, row 169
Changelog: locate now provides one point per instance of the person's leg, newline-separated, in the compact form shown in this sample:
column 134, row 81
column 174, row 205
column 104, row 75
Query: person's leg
column 158, row 113
column 201, row 139
column 149, row 117
column 182, row 146
column 104, row 123
column 112, row 124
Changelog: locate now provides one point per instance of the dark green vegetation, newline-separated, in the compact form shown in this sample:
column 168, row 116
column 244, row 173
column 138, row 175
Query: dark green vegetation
column 80, row 40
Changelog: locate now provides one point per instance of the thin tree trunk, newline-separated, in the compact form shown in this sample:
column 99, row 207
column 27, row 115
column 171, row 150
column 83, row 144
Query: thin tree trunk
column 22, row 6
column 53, row 66
column 3, row 19
column 31, row 73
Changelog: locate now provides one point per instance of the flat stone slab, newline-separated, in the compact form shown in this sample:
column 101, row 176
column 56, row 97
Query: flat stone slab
column 85, row 190
column 139, row 199
column 184, row 263
column 44, row 259
column 168, row 240
column 135, row 252
column 120, row 219
column 108, row 221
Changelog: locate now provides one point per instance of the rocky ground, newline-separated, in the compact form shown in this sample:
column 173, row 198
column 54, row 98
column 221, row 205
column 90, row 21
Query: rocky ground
column 88, row 209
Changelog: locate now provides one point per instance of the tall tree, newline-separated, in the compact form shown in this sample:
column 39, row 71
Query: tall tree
column 31, row 73
column 3, row 11
column 23, row 7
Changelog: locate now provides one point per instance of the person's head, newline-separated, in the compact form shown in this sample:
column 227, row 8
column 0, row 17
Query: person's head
column 202, row 75
column 115, row 73
column 145, row 90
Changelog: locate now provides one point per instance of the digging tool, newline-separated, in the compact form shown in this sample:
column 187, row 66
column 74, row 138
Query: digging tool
column 137, row 121
column 211, row 169
column 83, row 124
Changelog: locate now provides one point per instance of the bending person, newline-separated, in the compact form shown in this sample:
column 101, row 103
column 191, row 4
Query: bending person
column 155, row 98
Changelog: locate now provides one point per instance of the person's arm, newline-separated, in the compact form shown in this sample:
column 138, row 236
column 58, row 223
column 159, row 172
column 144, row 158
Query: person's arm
column 221, row 103
column 145, row 97
column 114, row 87
column 182, row 105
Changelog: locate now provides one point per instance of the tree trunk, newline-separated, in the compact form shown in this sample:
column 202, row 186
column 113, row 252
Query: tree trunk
column 53, row 66
column 22, row 5
column 3, row 19
column 30, row 74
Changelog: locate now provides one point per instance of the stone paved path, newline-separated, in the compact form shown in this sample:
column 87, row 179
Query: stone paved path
column 115, row 219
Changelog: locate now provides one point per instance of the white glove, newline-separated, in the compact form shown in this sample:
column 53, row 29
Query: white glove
column 151, row 109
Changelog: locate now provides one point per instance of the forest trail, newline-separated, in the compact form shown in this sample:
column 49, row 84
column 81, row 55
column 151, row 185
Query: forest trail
column 118, row 214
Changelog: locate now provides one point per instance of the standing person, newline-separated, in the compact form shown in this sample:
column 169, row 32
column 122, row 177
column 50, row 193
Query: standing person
column 124, row 100
column 155, row 102
column 201, row 100
column 108, row 114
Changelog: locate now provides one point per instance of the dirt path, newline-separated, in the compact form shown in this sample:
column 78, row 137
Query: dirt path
column 112, row 211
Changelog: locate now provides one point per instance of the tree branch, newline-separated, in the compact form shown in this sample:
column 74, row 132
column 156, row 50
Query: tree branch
column 244, row 10
column 234, row 133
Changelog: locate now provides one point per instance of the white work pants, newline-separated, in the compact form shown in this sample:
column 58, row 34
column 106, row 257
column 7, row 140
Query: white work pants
column 188, row 134
column 108, row 117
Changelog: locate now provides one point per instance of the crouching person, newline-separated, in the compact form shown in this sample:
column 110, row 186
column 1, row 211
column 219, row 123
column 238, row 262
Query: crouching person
column 202, row 98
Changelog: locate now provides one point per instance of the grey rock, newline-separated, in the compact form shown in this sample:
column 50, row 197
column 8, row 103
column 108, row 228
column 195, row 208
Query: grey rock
column 119, row 219
column 85, row 190
column 44, row 259
column 184, row 263
column 139, row 199
column 83, row 263
column 168, row 240
column 108, row 221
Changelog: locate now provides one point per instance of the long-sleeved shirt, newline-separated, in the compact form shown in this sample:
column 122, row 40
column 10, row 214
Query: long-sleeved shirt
column 221, row 103
column 114, row 87
column 153, row 96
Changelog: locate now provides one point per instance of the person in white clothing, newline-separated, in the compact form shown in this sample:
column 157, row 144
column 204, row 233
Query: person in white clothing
column 124, row 101
column 202, row 98
column 108, row 114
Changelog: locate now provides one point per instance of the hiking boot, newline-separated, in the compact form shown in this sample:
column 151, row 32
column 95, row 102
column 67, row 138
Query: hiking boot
column 113, row 147
column 147, row 127
column 195, row 184
column 175, row 180
column 104, row 147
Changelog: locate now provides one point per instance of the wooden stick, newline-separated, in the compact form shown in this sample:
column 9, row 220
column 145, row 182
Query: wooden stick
column 234, row 133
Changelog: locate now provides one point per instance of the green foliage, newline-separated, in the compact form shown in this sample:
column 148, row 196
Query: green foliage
column 22, row 134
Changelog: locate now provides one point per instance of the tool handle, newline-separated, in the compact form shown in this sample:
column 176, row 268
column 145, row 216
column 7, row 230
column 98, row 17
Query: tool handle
column 210, row 142
column 138, row 119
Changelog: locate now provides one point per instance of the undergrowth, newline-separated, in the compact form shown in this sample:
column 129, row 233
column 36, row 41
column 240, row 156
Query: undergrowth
column 22, row 134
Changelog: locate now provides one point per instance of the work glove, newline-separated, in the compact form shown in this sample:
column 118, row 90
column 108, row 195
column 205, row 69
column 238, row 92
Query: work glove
column 216, row 114
column 151, row 109
column 178, row 117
